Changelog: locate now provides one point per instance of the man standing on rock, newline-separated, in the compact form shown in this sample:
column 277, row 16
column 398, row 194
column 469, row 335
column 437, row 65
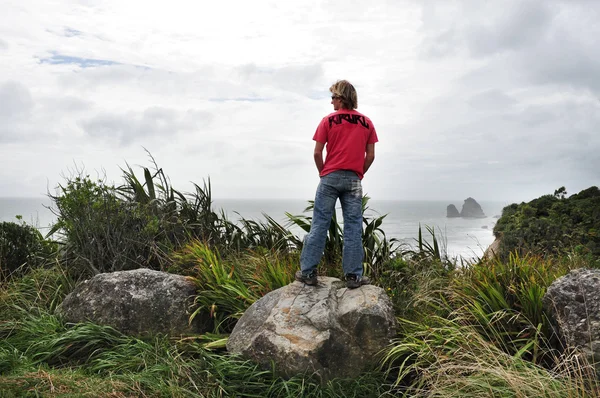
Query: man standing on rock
column 350, row 138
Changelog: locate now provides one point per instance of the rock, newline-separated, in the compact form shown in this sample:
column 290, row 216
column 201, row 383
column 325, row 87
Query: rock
column 326, row 329
column 574, row 303
column 139, row 302
column 452, row 211
column 471, row 209
column 492, row 250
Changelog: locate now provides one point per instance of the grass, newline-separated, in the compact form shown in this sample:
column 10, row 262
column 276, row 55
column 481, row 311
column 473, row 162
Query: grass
column 444, row 347
column 450, row 358
column 227, row 287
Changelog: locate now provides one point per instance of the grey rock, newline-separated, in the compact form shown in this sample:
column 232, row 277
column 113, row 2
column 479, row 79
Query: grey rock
column 574, row 303
column 452, row 211
column 140, row 302
column 325, row 329
column 493, row 250
column 471, row 209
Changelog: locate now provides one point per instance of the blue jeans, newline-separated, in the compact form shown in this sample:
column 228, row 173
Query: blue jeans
column 346, row 186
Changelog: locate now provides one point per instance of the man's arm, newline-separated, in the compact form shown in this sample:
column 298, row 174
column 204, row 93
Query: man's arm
column 369, row 157
column 318, row 155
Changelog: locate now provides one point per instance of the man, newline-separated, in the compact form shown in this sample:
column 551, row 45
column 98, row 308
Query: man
column 350, row 138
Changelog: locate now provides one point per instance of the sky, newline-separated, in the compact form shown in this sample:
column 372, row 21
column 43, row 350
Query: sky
column 491, row 100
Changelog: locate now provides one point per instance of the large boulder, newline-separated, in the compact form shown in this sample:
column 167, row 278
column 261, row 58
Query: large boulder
column 452, row 211
column 574, row 302
column 326, row 329
column 139, row 302
column 471, row 209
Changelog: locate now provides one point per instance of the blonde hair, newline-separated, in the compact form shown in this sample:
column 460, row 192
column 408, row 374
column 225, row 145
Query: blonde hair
column 346, row 92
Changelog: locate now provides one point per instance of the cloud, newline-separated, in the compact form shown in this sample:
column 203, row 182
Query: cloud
column 519, row 25
column 480, row 99
column 66, row 105
column 491, row 100
column 16, row 100
column 483, row 29
column 17, row 104
column 535, row 43
column 158, row 122
column 301, row 79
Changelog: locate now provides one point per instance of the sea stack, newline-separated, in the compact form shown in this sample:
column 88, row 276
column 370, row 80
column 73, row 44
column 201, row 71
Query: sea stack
column 452, row 211
column 471, row 209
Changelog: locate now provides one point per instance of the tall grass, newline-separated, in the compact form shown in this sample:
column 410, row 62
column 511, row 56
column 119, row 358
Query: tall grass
column 443, row 350
column 40, row 355
column 450, row 358
column 507, row 296
column 227, row 287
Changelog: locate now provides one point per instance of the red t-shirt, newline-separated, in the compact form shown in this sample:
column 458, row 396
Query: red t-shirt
column 346, row 133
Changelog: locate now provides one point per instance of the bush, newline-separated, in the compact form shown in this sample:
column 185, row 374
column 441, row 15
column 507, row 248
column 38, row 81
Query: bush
column 22, row 247
column 102, row 232
column 552, row 225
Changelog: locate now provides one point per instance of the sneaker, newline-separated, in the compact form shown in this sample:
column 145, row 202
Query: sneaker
column 353, row 281
column 309, row 279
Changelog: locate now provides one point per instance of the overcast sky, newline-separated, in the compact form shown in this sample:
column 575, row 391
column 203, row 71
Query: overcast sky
column 493, row 100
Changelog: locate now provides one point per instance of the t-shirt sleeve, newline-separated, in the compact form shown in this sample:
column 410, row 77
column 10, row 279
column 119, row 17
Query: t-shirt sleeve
column 373, row 135
column 322, row 131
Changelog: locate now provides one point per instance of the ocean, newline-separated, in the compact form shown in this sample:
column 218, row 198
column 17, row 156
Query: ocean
column 463, row 237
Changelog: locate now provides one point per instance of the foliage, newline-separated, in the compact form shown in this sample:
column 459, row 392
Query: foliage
column 22, row 247
column 101, row 232
column 105, row 228
column 226, row 288
column 474, row 330
column 448, row 357
column 552, row 225
column 507, row 296
column 470, row 329
column 41, row 355
column 416, row 286
column 39, row 290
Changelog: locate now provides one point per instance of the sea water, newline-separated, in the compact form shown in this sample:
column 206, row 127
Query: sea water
column 465, row 237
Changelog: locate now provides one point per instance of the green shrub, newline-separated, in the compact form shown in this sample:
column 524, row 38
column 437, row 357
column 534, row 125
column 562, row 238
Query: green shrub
column 101, row 232
column 552, row 225
column 22, row 247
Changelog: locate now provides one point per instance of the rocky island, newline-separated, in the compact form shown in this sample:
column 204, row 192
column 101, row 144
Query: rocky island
column 470, row 209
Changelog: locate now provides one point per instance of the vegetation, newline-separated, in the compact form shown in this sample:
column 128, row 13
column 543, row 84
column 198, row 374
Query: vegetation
column 466, row 328
column 553, row 225
column 22, row 247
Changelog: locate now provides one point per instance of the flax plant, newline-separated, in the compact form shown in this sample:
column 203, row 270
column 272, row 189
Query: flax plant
column 450, row 358
column 227, row 287
column 507, row 296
